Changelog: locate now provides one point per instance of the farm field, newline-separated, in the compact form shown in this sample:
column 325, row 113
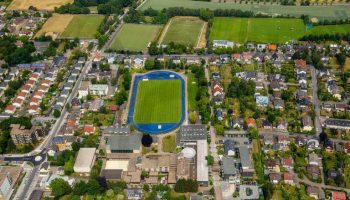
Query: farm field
column 182, row 30
column 55, row 25
column 158, row 101
column 39, row 4
column 321, row 12
column 330, row 29
column 257, row 29
column 70, row 26
column 83, row 26
column 135, row 37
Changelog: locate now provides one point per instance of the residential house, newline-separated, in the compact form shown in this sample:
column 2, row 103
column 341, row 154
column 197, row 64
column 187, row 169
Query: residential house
column 307, row 123
column 250, row 122
column 288, row 178
column 313, row 191
column 228, row 170
column 229, row 147
column 275, row 178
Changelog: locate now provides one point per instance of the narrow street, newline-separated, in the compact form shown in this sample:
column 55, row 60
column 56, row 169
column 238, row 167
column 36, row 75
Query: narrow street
column 318, row 126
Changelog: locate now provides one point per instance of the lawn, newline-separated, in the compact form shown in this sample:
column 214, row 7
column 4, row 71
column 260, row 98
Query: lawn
column 182, row 30
column 241, row 30
column 169, row 143
column 83, row 26
column 135, row 37
column 321, row 12
column 39, row 4
column 192, row 88
column 158, row 101
column 330, row 29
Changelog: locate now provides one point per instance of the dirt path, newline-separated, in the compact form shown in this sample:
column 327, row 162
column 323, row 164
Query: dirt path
column 165, row 30
column 201, row 43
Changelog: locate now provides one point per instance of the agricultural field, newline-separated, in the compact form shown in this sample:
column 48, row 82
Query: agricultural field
column 158, row 101
column 135, row 37
column 39, row 4
column 70, row 26
column 257, row 29
column 183, row 30
column 321, row 12
column 55, row 25
column 83, row 26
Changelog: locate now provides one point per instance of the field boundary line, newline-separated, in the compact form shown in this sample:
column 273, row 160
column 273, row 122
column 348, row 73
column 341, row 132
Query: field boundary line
column 164, row 31
column 199, row 39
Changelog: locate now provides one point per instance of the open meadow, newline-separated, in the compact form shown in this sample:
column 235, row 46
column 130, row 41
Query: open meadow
column 158, row 101
column 330, row 29
column 39, row 4
column 55, row 25
column 321, row 12
column 183, row 30
column 241, row 30
column 135, row 37
column 83, row 26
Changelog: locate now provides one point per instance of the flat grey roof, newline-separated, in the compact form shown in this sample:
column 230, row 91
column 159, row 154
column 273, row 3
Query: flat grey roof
column 202, row 167
column 228, row 165
column 245, row 157
column 124, row 142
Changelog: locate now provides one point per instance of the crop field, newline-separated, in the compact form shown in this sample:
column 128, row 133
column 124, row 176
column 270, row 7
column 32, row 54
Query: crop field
column 39, row 4
column 321, row 12
column 158, row 101
column 183, row 30
column 70, row 26
column 257, row 29
column 83, row 26
column 135, row 37
column 330, row 29
column 55, row 25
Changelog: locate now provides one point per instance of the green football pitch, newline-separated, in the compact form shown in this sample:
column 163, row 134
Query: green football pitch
column 135, row 37
column 158, row 101
column 183, row 30
column 83, row 26
column 242, row 30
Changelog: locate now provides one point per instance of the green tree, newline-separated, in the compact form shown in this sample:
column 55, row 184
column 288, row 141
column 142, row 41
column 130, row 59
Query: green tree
column 68, row 166
column 146, row 188
column 56, row 113
column 193, row 117
column 210, row 160
column 60, row 187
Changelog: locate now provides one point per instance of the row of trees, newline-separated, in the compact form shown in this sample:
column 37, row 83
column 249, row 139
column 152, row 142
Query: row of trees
column 103, row 6
column 202, row 96
column 326, row 37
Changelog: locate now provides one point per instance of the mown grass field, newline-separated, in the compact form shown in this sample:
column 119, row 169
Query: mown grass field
column 321, row 12
column 158, row 101
column 257, row 29
column 83, row 26
column 330, row 29
column 182, row 30
column 135, row 37
column 39, row 4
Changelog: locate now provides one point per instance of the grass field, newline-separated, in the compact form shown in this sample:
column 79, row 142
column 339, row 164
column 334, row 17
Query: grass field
column 169, row 143
column 39, row 4
column 182, row 30
column 257, row 29
column 158, row 101
column 330, row 29
column 55, row 24
column 322, row 12
column 135, row 37
column 83, row 26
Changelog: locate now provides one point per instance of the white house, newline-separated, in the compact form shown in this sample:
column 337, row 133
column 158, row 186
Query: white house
column 98, row 89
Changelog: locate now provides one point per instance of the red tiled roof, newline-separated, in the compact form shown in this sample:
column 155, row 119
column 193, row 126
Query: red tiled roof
column 338, row 196
column 287, row 161
column 250, row 122
column 89, row 129
column 288, row 176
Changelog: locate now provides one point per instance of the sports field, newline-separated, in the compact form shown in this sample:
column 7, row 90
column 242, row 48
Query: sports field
column 183, row 30
column 330, row 29
column 158, row 101
column 39, row 4
column 257, row 29
column 135, row 37
column 70, row 26
column 83, row 26
column 321, row 12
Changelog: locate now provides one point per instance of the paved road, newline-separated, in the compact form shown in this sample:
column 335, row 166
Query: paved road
column 321, row 185
column 29, row 185
column 318, row 126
